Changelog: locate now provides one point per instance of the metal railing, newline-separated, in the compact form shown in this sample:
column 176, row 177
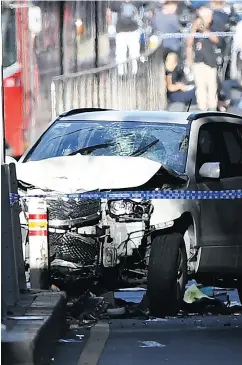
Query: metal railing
column 104, row 87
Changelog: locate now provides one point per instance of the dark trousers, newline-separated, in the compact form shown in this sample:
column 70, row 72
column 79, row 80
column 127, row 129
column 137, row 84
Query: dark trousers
column 182, row 97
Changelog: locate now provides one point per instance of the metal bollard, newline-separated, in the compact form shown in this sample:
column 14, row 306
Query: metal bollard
column 38, row 244
column 10, row 288
column 16, row 229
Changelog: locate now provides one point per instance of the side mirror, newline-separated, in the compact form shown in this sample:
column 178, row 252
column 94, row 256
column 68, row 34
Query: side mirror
column 210, row 170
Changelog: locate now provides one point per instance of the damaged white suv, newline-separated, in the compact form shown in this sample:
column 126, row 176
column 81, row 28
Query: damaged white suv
column 135, row 237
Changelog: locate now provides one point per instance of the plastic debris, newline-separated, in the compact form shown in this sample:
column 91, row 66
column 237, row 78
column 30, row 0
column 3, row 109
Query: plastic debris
column 131, row 289
column 27, row 318
column 54, row 288
column 195, row 301
column 113, row 312
column 235, row 304
column 207, row 290
column 80, row 336
column 74, row 326
column 69, row 340
column 88, row 308
column 130, row 296
column 223, row 297
column 146, row 344
column 193, row 293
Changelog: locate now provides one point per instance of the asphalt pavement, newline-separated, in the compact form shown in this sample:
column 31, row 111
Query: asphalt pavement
column 195, row 340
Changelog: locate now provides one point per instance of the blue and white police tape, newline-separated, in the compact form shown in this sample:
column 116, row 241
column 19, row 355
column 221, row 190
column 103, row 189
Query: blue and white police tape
column 161, row 194
column 194, row 35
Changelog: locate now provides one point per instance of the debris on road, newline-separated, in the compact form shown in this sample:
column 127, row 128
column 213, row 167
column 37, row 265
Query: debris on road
column 146, row 344
column 69, row 340
column 80, row 336
column 157, row 320
column 209, row 300
column 88, row 308
column 54, row 288
column 116, row 312
column 193, row 294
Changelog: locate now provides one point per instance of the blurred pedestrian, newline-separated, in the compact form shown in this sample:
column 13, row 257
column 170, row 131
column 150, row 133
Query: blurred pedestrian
column 201, row 56
column 177, row 90
column 220, row 17
column 127, row 32
column 236, row 55
column 166, row 20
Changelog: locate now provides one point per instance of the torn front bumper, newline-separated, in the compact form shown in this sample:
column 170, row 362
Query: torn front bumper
column 72, row 230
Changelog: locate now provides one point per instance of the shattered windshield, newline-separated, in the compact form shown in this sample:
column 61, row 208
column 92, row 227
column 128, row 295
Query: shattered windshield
column 161, row 142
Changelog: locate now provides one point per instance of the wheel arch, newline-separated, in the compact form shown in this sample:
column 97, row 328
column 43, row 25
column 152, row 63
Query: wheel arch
column 181, row 224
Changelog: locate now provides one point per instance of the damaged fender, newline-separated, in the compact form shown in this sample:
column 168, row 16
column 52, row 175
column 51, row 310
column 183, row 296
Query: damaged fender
column 165, row 213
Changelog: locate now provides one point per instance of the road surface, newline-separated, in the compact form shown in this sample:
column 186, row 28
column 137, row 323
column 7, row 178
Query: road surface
column 196, row 340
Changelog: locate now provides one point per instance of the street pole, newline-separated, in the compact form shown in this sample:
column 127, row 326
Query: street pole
column 32, row 93
column 2, row 133
column 96, row 39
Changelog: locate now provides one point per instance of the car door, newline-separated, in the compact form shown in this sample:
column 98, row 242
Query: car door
column 231, row 179
column 211, row 211
column 221, row 222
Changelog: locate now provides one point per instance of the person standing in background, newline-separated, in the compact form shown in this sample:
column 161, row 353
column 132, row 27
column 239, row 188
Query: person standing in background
column 127, row 32
column 202, row 58
column 221, row 24
column 220, row 17
column 166, row 20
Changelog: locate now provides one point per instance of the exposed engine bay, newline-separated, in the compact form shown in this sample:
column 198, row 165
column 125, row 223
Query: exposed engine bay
column 88, row 236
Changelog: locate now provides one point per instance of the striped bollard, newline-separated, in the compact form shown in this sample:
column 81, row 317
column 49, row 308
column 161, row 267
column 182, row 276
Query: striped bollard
column 38, row 244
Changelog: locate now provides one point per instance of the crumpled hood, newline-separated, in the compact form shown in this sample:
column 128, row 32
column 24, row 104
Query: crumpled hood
column 70, row 174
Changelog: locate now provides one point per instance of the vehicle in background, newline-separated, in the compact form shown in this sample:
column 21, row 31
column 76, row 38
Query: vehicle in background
column 20, row 76
column 167, row 241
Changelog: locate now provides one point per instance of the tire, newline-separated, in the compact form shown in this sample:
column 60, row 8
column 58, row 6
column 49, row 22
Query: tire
column 240, row 289
column 165, row 288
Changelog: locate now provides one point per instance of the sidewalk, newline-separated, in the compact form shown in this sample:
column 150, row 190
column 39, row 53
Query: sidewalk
column 32, row 327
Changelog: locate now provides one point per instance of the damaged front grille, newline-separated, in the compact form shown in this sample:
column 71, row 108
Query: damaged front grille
column 72, row 212
column 73, row 247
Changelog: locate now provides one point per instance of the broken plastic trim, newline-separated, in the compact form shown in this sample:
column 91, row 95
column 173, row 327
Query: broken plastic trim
column 163, row 225
column 56, row 223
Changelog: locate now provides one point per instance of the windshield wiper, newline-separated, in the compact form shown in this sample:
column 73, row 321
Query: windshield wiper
column 89, row 149
column 69, row 133
column 142, row 150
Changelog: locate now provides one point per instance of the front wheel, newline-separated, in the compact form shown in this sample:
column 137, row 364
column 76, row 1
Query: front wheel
column 167, row 274
column 240, row 289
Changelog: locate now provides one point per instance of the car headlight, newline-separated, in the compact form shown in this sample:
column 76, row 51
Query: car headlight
column 121, row 207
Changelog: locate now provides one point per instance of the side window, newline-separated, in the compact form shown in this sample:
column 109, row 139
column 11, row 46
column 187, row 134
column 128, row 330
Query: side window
column 233, row 144
column 207, row 149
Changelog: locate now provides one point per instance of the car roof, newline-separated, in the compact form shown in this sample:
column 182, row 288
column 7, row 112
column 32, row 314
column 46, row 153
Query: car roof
column 130, row 116
column 140, row 116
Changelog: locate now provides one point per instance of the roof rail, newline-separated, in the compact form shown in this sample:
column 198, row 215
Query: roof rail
column 82, row 110
column 195, row 116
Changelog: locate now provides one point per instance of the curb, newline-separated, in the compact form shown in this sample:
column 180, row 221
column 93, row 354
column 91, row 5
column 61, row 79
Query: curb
column 30, row 339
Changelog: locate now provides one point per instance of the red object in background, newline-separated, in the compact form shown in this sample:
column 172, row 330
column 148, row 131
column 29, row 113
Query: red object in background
column 13, row 113
column 16, row 74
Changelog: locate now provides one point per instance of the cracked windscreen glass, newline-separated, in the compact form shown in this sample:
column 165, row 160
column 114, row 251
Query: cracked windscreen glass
column 161, row 142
